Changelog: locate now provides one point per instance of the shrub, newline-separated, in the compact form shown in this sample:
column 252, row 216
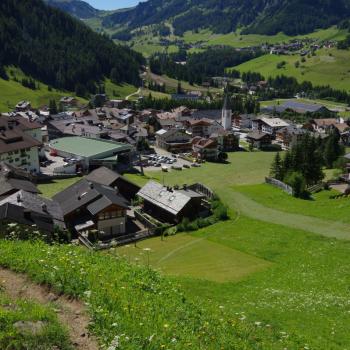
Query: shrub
column 297, row 181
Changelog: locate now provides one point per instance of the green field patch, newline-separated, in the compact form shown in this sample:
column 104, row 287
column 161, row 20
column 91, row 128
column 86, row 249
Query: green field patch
column 321, row 205
column 328, row 67
column 196, row 257
column 18, row 317
column 49, row 189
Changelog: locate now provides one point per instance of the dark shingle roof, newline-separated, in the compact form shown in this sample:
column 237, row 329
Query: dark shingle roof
column 34, row 203
column 85, row 193
column 9, row 185
column 213, row 114
column 103, row 176
column 256, row 135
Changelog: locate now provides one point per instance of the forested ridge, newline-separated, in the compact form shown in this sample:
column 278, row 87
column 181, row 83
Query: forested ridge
column 55, row 48
column 256, row 16
column 77, row 8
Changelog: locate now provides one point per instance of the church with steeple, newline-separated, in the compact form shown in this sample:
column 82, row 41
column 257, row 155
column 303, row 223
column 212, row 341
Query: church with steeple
column 226, row 114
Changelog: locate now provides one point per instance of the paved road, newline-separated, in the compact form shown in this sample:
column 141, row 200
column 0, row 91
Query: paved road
column 248, row 207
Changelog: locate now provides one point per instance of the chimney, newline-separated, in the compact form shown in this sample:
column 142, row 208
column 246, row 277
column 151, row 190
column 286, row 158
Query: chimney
column 19, row 200
column 185, row 187
column 44, row 207
column 91, row 185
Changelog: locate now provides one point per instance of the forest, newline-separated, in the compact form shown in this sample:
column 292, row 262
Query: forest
column 256, row 16
column 200, row 66
column 52, row 47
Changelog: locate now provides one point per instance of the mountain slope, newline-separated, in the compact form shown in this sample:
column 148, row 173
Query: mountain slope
column 77, row 8
column 256, row 16
column 58, row 50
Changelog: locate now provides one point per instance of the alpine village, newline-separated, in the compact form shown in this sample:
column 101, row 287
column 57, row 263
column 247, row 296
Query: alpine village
column 174, row 175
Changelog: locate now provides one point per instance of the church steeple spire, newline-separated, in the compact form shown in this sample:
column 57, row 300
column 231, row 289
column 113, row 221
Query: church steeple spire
column 226, row 115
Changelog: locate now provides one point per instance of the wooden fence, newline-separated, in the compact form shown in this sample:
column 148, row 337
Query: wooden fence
column 279, row 184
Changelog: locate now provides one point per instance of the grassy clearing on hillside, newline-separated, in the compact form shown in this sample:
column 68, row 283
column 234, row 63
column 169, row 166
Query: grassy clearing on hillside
column 173, row 83
column 321, row 206
column 13, row 91
column 188, row 256
column 51, row 188
column 328, row 67
column 134, row 306
column 237, row 40
column 304, row 291
column 148, row 44
column 116, row 92
column 12, row 311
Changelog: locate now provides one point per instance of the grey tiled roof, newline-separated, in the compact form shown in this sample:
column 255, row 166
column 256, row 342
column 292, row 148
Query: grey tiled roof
column 172, row 201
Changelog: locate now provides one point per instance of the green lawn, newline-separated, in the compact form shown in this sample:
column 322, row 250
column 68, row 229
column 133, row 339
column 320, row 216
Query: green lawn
column 188, row 256
column 115, row 91
column 148, row 44
column 12, row 92
column 305, row 291
column 321, row 206
column 328, row 67
column 52, row 336
column 243, row 168
column 49, row 189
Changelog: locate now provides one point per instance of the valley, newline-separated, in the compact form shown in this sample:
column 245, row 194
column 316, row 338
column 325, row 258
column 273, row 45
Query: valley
column 175, row 175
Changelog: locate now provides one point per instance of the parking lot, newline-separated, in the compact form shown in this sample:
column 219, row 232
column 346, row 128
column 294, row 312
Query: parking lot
column 163, row 159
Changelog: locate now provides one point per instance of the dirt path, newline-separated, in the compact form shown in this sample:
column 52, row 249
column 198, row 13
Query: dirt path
column 71, row 313
column 133, row 94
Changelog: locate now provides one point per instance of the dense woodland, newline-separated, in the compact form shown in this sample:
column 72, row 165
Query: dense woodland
column 58, row 50
column 257, row 16
column 302, row 165
column 200, row 66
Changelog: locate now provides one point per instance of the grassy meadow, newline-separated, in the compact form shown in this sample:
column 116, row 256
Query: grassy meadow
column 147, row 44
column 52, row 335
column 320, row 206
column 134, row 306
column 328, row 67
column 271, row 277
column 238, row 40
column 13, row 91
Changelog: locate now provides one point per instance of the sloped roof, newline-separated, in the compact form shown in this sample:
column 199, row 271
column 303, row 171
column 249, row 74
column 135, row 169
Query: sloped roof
column 171, row 201
column 257, row 135
column 274, row 122
column 10, row 184
column 85, row 193
column 36, row 204
column 302, row 107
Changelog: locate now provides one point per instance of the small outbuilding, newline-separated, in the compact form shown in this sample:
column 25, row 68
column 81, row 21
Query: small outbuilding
column 170, row 205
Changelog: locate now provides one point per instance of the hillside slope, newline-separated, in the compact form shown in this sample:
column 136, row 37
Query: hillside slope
column 77, row 8
column 60, row 51
column 257, row 16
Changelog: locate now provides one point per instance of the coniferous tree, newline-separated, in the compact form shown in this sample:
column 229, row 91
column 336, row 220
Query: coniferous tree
column 277, row 168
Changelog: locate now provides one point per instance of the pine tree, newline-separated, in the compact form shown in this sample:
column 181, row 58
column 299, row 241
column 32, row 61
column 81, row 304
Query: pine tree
column 277, row 168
